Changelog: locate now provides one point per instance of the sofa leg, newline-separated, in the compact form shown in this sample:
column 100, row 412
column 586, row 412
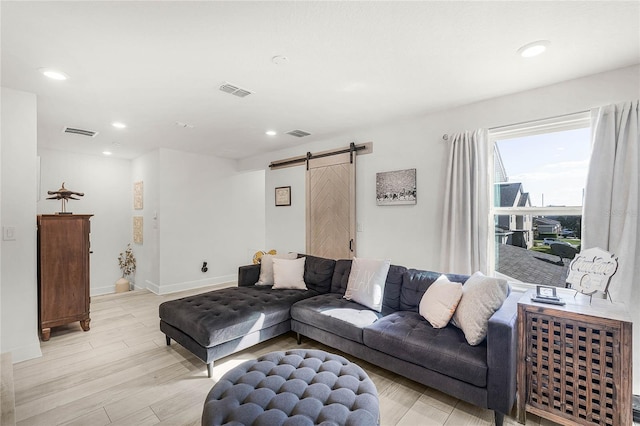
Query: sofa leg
column 168, row 339
column 499, row 418
column 299, row 338
column 210, row 369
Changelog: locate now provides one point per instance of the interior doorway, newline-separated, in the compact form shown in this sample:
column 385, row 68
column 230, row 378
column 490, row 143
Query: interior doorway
column 331, row 206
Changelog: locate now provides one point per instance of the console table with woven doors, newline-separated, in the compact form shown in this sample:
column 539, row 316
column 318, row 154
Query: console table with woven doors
column 574, row 361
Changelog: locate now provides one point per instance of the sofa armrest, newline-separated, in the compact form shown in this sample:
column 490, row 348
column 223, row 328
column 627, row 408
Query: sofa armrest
column 248, row 275
column 502, row 349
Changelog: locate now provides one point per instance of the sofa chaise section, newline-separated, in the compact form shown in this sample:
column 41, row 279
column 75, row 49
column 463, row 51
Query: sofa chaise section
column 221, row 322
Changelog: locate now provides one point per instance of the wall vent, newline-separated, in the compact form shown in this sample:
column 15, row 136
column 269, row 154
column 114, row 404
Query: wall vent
column 83, row 132
column 235, row 90
column 298, row 133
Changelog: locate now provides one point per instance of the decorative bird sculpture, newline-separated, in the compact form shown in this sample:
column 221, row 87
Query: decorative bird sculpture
column 64, row 194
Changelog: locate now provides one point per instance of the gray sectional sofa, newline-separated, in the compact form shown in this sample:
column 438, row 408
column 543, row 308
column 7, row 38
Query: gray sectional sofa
column 218, row 323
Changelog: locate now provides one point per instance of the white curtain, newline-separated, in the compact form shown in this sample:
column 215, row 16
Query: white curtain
column 465, row 231
column 611, row 203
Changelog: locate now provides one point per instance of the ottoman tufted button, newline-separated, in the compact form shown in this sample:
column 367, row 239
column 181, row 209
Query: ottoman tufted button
column 297, row 387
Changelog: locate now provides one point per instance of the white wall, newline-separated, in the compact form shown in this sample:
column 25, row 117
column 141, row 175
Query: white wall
column 286, row 233
column 208, row 211
column 108, row 195
column 145, row 170
column 195, row 208
column 18, row 285
column 411, row 235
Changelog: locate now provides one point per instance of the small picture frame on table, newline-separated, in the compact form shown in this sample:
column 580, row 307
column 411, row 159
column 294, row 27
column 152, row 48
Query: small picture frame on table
column 283, row 196
column 545, row 292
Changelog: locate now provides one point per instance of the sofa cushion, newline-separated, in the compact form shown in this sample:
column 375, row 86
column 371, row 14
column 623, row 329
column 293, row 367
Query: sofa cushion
column 318, row 272
column 266, row 266
column 340, row 277
column 482, row 296
column 331, row 312
column 221, row 315
column 289, row 274
column 367, row 281
column 408, row 336
column 391, row 300
column 415, row 282
column 439, row 302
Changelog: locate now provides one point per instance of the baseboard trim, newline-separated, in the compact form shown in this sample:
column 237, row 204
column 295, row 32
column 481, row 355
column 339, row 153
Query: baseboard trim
column 190, row 285
column 25, row 352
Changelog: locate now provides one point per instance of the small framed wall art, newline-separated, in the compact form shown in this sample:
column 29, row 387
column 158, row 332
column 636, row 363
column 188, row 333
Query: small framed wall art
column 283, row 196
column 138, row 195
column 396, row 188
column 138, row 229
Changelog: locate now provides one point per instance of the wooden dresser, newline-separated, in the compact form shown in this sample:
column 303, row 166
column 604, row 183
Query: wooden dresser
column 63, row 271
column 574, row 361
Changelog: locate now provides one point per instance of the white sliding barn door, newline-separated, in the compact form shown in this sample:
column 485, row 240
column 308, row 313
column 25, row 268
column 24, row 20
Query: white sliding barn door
column 331, row 206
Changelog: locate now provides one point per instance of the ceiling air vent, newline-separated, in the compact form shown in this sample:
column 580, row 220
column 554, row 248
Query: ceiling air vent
column 82, row 132
column 235, row 90
column 298, row 133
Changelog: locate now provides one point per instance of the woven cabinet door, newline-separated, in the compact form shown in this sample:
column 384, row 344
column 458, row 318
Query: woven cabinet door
column 576, row 367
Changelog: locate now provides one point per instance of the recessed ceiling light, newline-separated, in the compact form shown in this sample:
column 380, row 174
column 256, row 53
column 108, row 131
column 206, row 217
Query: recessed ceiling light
column 271, row 133
column 118, row 125
column 533, row 49
column 53, row 74
column 106, row 152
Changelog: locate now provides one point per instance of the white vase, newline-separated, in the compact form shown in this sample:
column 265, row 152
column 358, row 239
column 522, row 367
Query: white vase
column 122, row 285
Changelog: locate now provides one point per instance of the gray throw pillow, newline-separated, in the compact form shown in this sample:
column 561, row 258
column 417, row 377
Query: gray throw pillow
column 482, row 296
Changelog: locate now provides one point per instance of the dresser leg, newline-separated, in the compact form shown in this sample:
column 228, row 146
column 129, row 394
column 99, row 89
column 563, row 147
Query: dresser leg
column 85, row 324
column 46, row 334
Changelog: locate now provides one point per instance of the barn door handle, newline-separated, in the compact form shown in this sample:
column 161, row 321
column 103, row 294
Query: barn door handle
column 351, row 245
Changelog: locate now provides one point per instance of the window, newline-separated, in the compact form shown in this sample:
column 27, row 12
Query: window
column 539, row 176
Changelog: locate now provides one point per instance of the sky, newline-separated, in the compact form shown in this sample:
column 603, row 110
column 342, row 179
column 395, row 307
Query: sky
column 552, row 167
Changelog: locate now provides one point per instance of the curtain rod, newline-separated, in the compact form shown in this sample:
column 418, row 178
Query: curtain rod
column 446, row 136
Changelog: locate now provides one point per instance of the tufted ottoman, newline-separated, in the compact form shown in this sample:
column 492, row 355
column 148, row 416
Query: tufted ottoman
column 296, row 387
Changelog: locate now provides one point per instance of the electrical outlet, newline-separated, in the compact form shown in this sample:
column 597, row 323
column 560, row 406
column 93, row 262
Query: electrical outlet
column 9, row 233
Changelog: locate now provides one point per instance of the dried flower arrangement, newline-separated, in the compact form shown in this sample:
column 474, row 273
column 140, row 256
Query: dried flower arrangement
column 127, row 262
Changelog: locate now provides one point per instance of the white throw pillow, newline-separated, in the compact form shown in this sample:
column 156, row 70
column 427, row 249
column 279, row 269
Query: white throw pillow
column 266, row 267
column 366, row 282
column 481, row 297
column 289, row 273
column 439, row 302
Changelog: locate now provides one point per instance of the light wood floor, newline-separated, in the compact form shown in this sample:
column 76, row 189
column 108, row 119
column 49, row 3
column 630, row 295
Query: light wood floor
column 122, row 373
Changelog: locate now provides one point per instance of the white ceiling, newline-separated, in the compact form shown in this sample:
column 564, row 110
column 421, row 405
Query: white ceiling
column 351, row 64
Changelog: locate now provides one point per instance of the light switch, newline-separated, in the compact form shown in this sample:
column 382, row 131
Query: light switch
column 9, row 233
